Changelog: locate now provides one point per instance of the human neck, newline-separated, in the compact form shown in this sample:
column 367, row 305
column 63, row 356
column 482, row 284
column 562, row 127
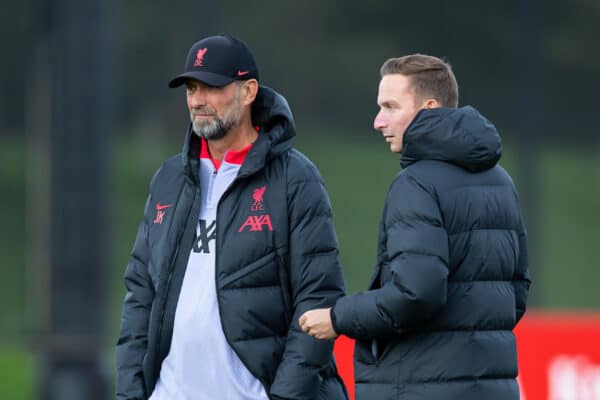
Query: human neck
column 236, row 139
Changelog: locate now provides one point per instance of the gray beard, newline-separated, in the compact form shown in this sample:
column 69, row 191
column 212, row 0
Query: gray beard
column 219, row 127
column 213, row 130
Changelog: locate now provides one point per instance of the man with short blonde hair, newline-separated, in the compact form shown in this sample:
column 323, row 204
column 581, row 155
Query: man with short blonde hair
column 451, row 279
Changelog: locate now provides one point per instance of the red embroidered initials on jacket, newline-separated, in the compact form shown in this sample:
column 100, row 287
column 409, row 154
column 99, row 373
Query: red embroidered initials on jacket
column 256, row 222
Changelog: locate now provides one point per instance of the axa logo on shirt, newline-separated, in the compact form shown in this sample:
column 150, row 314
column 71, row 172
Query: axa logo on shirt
column 160, row 212
column 256, row 223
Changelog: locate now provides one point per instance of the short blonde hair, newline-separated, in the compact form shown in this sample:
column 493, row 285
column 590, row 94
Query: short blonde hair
column 431, row 77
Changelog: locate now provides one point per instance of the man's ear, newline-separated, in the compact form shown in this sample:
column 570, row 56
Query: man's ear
column 431, row 103
column 249, row 91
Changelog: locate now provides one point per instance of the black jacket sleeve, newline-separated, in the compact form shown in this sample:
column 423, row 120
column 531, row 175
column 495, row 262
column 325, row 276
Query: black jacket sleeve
column 132, row 344
column 416, row 250
column 316, row 281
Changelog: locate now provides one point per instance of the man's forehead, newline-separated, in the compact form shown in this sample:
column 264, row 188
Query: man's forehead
column 394, row 82
column 394, row 85
column 385, row 97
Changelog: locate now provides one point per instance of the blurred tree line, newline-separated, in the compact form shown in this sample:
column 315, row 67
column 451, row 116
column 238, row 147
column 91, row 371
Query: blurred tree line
column 530, row 66
column 513, row 59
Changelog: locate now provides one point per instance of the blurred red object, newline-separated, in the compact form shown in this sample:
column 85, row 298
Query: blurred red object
column 343, row 349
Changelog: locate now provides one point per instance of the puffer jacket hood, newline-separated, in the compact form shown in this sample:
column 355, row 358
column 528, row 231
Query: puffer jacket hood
column 461, row 136
column 270, row 112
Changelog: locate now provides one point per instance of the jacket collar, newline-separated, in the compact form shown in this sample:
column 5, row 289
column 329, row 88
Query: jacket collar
column 461, row 136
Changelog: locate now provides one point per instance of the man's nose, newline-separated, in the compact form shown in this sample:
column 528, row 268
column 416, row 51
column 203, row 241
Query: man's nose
column 379, row 123
column 197, row 98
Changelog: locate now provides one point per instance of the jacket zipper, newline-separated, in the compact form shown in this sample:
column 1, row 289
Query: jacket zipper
column 225, row 193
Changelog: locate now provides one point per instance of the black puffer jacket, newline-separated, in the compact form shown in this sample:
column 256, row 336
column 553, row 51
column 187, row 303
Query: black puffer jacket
column 451, row 280
column 273, row 263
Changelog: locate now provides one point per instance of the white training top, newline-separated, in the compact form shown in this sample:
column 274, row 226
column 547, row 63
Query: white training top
column 201, row 364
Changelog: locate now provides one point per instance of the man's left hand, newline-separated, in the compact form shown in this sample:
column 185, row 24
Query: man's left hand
column 317, row 323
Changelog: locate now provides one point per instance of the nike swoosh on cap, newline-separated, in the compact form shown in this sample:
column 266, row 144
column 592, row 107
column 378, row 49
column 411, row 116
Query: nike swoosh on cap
column 242, row 73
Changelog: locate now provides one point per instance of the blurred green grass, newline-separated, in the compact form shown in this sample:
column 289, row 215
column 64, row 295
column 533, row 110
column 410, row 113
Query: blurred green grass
column 16, row 374
column 569, row 270
column 357, row 172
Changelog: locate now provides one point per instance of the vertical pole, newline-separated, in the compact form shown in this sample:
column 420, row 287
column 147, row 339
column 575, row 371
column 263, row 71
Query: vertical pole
column 73, row 194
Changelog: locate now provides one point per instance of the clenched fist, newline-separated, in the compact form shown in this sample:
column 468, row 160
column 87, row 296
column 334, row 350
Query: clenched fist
column 317, row 323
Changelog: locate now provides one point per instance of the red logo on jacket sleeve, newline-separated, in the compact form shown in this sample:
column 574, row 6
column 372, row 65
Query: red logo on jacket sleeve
column 160, row 212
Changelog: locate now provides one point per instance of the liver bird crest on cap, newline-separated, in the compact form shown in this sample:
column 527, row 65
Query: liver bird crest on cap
column 200, row 57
